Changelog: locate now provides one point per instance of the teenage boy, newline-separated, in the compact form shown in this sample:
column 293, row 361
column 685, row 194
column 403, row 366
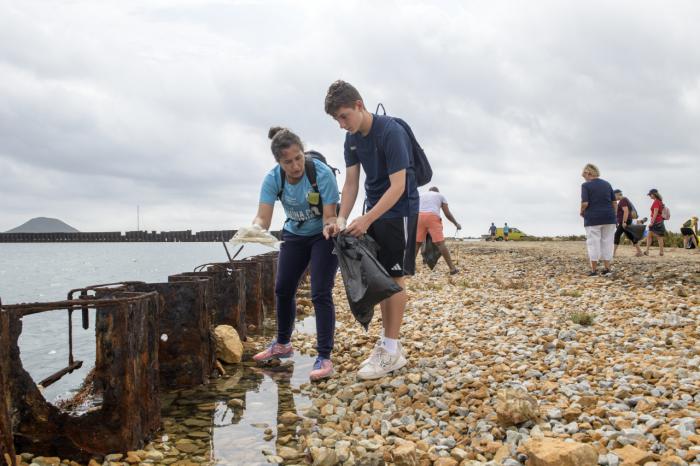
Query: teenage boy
column 383, row 148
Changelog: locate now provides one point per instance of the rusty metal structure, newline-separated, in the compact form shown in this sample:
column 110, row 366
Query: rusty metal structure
column 7, row 445
column 228, row 291
column 149, row 337
column 252, row 269
column 123, row 388
column 269, row 275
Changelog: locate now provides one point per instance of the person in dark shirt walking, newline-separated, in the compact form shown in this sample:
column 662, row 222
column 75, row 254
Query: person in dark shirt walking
column 625, row 211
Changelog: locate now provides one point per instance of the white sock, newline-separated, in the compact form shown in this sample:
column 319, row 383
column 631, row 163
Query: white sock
column 390, row 344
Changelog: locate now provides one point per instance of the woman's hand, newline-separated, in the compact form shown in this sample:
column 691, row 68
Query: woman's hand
column 334, row 227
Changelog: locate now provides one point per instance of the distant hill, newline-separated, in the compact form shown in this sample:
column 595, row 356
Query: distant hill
column 44, row 225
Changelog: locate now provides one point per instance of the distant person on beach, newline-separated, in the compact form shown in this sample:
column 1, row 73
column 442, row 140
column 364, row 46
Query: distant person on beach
column 656, row 222
column 625, row 211
column 429, row 222
column 598, row 207
column 492, row 231
column 689, row 230
column 506, row 231
column 307, row 209
column 383, row 149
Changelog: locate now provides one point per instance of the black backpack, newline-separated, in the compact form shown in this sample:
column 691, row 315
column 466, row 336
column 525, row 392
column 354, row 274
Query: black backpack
column 421, row 166
column 310, row 172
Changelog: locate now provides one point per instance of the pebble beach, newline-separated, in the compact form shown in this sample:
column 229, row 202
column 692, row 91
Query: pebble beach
column 520, row 359
column 500, row 372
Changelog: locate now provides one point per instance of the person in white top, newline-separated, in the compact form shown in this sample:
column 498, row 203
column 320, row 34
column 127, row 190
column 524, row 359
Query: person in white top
column 429, row 222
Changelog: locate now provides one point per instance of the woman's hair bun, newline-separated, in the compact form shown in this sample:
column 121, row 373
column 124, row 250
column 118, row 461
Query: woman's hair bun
column 273, row 131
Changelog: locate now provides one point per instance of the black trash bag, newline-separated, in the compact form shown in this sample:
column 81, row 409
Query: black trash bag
column 366, row 282
column 431, row 253
column 637, row 231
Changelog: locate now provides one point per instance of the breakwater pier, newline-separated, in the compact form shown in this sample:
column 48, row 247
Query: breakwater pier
column 119, row 237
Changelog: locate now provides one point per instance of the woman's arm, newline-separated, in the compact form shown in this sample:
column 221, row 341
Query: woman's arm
column 584, row 206
column 264, row 216
column 329, row 216
column 654, row 213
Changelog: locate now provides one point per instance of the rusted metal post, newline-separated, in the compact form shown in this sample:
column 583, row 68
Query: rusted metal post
column 123, row 387
column 228, row 291
column 253, row 291
column 269, row 277
column 186, row 351
column 7, row 443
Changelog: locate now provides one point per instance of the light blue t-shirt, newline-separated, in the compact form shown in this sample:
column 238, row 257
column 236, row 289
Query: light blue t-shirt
column 300, row 219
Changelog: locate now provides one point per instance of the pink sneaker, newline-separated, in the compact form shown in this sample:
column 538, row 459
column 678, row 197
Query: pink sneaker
column 275, row 351
column 323, row 369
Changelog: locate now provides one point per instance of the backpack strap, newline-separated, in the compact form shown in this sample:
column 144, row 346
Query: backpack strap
column 310, row 171
column 283, row 178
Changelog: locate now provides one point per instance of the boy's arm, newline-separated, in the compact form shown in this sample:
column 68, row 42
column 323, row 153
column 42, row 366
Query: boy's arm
column 397, row 185
column 347, row 200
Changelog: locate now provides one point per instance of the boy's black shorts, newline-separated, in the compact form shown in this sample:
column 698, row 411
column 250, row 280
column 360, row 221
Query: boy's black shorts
column 397, row 244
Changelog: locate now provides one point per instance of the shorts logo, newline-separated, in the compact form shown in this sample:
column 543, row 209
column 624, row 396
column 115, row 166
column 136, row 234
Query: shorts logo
column 397, row 267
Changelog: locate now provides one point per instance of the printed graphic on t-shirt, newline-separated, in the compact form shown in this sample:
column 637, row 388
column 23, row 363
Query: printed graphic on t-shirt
column 295, row 210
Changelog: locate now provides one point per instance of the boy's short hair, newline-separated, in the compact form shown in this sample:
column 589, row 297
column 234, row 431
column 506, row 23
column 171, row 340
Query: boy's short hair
column 340, row 94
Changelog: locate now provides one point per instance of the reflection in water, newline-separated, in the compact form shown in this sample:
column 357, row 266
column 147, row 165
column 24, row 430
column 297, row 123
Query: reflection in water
column 235, row 420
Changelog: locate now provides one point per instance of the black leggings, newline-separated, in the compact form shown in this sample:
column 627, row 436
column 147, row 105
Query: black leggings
column 620, row 231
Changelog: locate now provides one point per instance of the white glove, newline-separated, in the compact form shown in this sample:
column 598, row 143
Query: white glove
column 342, row 222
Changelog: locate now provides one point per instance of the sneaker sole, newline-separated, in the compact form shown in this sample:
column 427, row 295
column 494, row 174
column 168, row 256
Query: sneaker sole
column 272, row 358
column 379, row 376
column 318, row 379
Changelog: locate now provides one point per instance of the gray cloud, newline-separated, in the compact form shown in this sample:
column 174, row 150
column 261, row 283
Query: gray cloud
column 167, row 104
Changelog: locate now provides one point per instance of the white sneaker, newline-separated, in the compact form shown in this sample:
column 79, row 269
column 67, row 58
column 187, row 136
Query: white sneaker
column 381, row 363
column 378, row 345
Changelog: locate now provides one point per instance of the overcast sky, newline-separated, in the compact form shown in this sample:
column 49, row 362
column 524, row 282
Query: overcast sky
column 166, row 104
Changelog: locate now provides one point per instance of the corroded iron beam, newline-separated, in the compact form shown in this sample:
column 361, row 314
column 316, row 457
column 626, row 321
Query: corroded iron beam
column 228, row 291
column 123, row 387
column 269, row 276
column 253, row 290
column 7, row 444
column 186, row 349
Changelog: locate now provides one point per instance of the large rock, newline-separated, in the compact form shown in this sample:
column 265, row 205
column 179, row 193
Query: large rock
column 405, row 454
column 553, row 452
column 515, row 407
column 323, row 456
column 632, row 455
column 228, row 344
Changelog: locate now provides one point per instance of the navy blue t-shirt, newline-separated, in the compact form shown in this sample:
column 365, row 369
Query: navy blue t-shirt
column 385, row 150
column 599, row 195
